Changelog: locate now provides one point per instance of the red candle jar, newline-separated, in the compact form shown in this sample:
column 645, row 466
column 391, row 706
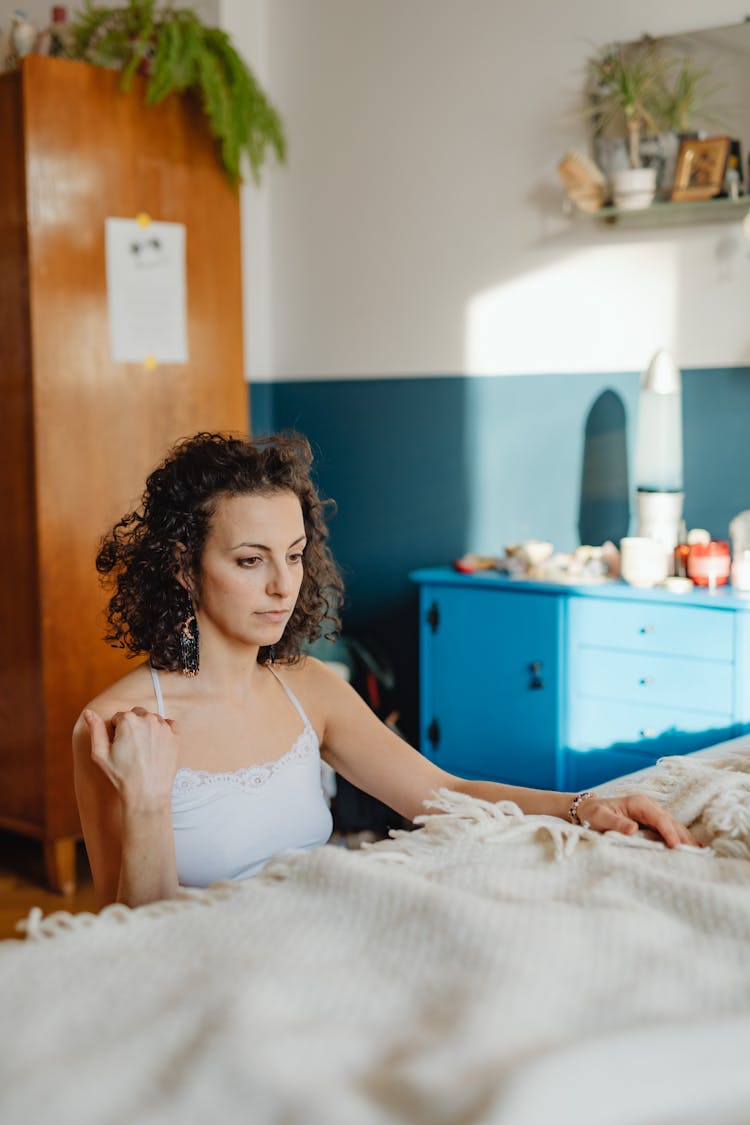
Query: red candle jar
column 709, row 563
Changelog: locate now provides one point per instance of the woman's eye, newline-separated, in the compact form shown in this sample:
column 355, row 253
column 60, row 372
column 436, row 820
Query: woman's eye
column 297, row 557
column 249, row 562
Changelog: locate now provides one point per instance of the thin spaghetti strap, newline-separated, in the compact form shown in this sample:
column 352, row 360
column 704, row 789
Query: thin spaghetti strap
column 291, row 696
column 157, row 691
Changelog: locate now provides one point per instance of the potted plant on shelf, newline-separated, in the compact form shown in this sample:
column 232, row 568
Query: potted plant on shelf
column 180, row 54
column 686, row 100
column 640, row 91
column 626, row 90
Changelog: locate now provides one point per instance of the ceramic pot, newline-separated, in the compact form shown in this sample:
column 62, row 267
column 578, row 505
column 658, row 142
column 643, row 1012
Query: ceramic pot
column 634, row 188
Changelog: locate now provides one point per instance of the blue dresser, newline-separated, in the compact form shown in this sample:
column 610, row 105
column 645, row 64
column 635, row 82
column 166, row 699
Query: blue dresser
column 559, row 686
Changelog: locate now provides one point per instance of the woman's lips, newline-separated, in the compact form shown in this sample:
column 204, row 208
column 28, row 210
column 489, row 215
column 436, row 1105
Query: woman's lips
column 273, row 615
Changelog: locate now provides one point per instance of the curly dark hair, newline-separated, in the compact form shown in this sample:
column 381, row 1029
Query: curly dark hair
column 139, row 555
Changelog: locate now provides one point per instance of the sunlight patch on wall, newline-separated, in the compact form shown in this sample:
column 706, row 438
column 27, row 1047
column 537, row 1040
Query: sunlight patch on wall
column 602, row 308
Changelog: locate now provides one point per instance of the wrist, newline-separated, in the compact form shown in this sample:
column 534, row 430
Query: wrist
column 578, row 802
column 561, row 806
column 140, row 807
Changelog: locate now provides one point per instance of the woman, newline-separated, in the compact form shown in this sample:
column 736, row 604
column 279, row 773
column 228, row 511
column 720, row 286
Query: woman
column 204, row 761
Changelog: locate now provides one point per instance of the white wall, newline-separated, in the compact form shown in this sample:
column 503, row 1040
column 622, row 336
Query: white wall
column 247, row 21
column 416, row 227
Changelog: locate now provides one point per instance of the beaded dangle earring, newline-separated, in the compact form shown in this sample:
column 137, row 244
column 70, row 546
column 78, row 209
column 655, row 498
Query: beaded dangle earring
column 189, row 655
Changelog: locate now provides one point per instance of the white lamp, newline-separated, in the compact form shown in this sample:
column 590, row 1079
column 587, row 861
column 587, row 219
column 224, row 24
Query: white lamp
column 658, row 459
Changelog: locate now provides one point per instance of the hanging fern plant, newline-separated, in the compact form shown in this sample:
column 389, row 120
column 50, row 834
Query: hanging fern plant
column 181, row 54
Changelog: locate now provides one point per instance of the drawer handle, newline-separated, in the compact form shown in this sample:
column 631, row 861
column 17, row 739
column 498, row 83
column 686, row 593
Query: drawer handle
column 646, row 680
column 536, row 683
column 646, row 733
column 646, row 629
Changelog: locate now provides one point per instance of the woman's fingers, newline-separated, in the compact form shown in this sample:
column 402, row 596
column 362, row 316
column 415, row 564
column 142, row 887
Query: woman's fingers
column 650, row 814
column 119, row 716
column 622, row 824
column 138, row 750
column 605, row 815
column 100, row 742
column 140, row 712
column 628, row 814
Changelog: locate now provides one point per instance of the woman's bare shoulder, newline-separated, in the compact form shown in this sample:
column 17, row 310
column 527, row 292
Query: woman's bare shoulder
column 319, row 686
column 308, row 671
column 134, row 690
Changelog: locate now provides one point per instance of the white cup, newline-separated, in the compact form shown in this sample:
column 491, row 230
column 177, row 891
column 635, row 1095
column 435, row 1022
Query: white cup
column 643, row 562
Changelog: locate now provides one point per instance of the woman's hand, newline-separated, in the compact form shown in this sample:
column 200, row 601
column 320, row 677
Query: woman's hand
column 628, row 814
column 138, row 751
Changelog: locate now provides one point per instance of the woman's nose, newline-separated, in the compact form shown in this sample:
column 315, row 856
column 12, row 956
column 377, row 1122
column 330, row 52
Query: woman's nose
column 280, row 581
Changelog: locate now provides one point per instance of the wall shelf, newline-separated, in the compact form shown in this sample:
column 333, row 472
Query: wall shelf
column 671, row 214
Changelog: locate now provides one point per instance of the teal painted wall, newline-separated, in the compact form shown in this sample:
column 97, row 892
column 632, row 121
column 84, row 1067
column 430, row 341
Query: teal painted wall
column 716, row 436
column 424, row 469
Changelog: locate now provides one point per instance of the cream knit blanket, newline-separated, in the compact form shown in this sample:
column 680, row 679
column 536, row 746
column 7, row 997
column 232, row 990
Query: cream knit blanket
column 711, row 795
column 489, row 967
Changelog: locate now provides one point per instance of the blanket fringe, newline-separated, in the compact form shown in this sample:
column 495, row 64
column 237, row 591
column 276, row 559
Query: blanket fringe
column 714, row 791
column 38, row 927
column 727, row 821
column 458, row 815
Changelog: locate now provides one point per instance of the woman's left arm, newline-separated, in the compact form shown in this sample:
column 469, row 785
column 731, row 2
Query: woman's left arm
column 369, row 755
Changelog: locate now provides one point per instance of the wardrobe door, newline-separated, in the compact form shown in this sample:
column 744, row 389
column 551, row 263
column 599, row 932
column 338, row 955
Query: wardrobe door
column 91, row 152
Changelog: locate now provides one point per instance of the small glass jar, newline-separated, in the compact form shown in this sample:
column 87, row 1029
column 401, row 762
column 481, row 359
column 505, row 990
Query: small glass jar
column 709, row 563
column 681, row 556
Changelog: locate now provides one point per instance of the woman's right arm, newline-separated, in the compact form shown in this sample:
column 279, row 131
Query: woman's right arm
column 124, row 771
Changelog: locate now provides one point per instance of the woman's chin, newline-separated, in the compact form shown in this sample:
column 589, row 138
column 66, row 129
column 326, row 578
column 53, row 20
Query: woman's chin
column 270, row 633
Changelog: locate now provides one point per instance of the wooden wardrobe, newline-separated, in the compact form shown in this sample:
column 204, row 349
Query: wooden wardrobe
column 78, row 432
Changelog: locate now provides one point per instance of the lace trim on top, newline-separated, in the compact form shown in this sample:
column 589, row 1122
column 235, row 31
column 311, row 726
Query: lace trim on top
column 247, row 777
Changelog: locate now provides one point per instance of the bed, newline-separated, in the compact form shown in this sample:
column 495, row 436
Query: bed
column 490, row 967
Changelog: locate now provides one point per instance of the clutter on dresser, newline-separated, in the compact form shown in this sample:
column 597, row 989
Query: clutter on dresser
column 663, row 552
column 698, row 559
column 537, row 559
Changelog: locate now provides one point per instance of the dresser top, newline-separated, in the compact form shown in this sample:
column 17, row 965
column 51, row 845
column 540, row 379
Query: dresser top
column 723, row 597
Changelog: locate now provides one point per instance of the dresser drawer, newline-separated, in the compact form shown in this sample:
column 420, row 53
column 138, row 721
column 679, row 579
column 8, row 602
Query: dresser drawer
column 663, row 681
column 550, row 685
column 585, row 770
column 704, row 634
column 597, row 724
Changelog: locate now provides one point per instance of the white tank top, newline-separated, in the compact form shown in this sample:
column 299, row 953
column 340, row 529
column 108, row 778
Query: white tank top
column 228, row 825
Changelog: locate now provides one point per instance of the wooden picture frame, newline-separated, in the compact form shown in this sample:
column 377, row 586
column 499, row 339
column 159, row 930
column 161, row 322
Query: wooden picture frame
column 700, row 168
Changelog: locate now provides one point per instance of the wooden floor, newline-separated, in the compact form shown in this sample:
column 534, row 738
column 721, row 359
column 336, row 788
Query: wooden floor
column 22, row 884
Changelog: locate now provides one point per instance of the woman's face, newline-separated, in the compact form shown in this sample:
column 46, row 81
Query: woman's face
column 251, row 570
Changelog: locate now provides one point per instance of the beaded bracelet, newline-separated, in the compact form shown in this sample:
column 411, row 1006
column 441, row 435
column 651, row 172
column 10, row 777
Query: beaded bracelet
column 573, row 810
